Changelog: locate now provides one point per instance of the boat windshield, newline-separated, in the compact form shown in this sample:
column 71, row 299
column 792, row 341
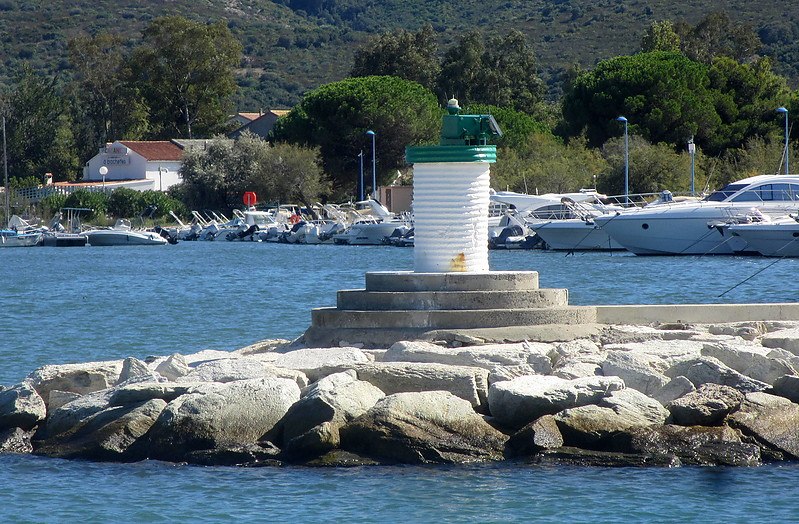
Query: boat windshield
column 725, row 192
column 762, row 193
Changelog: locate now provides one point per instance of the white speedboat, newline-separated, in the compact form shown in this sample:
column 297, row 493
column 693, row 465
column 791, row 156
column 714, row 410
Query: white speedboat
column 372, row 224
column 777, row 238
column 255, row 226
column 700, row 227
column 122, row 235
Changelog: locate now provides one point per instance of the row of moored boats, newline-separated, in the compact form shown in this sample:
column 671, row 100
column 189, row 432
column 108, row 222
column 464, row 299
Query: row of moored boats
column 757, row 215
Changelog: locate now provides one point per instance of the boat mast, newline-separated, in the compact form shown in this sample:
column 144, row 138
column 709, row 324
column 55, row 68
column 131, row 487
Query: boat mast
column 5, row 174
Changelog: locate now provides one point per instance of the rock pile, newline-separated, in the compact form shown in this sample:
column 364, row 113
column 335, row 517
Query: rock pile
column 631, row 395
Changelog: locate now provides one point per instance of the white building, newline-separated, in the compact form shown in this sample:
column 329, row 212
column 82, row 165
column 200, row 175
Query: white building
column 137, row 165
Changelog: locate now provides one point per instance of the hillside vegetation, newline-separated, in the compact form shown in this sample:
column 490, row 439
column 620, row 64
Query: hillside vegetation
column 292, row 46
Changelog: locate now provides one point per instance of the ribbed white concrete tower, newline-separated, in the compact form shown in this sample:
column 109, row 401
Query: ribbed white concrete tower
column 451, row 195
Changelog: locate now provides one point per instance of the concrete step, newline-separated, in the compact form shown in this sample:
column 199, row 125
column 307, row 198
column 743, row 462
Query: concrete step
column 359, row 299
column 451, row 319
column 488, row 281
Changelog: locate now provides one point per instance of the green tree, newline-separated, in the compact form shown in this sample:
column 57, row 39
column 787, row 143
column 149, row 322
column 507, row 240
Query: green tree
column 501, row 72
column 744, row 97
column 294, row 174
column 717, row 35
column 107, row 106
column 204, row 174
column 652, row 168
column 335, row 118
column 217, row 177
column 660, row 36
column 757, row 156
column 38, row 128
column 663, row 95
column 461, row 67
column 400, row 53
column 185, row 71
column 545, row 164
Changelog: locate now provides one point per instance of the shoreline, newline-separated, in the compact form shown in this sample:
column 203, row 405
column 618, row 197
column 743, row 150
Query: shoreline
column 628, row 395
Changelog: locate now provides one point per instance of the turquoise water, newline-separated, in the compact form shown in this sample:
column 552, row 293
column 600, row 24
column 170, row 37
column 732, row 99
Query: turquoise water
column 62, row 305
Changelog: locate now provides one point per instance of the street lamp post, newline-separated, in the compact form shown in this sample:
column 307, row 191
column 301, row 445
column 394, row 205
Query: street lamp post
column 103, row 172
column 161, row 171
column 374, row 166
column 786, row 152
column 360, row 193
column 692, row 152
column 626, row 161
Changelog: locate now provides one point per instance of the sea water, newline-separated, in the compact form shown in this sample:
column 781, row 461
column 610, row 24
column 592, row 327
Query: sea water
column 60, row 305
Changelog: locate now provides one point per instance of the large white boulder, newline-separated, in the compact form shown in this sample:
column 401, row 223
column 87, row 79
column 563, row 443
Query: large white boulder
column 515, row 403
column 468, row 383
column 136, row 371
column 76, row 378
column 703, row 370
column 216, row 415
column 425, row 427
column 312, row 425
column 787, row 339
column 750, row 360
column 640, row 371
column 576, row 359
column 595, row 425
column 173, row 367
column 319, row 362
column 707, row 406
column 771, row 420
column 232, row 369
column 669, row 351
column 109, row 434
column 21, row 407
column 75, row 412
column 486, row 356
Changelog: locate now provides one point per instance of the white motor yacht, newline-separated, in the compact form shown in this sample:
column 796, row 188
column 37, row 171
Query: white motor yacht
column 701, row 227
column 122, row 235
column 776, row 238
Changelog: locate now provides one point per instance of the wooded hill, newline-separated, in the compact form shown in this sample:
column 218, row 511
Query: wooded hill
column 291, row 46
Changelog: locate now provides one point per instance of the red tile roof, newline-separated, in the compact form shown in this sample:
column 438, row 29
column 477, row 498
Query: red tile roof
column 155, row 150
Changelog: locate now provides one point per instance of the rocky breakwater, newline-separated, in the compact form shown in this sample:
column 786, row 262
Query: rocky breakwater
column 721, row 394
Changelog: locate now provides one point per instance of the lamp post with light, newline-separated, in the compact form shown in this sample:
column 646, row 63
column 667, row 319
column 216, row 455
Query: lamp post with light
column 360, row 158
column 626, row 160
column 692, row 152
column 103, row 172
column 374, row 166
column 786, row 153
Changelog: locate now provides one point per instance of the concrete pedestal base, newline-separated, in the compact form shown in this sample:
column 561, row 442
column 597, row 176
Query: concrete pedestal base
column 488, row 306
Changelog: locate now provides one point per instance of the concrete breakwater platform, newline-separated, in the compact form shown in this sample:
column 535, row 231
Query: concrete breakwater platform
column 493, row 306
column 487, row 306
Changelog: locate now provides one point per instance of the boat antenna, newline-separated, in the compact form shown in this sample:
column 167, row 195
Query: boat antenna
column 5, row 174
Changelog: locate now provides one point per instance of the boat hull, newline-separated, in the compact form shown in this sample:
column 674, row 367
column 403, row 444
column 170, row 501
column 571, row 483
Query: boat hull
column 108, row 237
column 14, row 239
column 575, row 235
column 780, row 239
